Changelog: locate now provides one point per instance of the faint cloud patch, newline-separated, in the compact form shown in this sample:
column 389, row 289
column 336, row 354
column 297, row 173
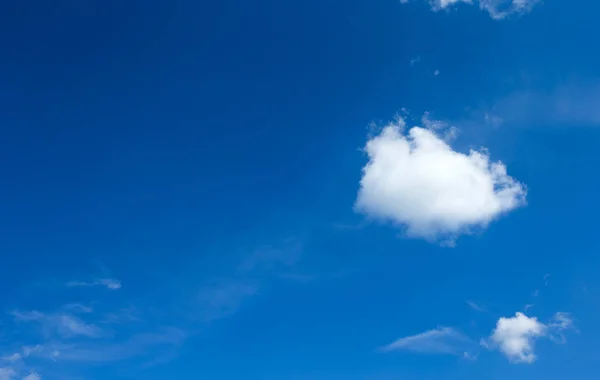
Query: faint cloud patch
column 78, row 308
column 59, row 324
column 12, row 358
column 476, row 307
column 223, row 296
column 565, row 105
column 102, row 352
column 7, row 373
column 109, row 283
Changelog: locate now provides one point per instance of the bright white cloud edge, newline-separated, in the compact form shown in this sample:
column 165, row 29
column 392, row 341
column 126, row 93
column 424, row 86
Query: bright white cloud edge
column 416, row 180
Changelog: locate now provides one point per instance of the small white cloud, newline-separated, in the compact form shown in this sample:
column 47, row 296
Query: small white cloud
column 109, row 283
column 415, row 60
column 33, row 376
column 416, row 180
column 443, row 340
column 515, row 337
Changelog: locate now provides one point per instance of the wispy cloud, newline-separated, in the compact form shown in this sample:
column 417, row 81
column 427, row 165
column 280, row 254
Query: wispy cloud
column 109, row 283
column 78, row 333
column 443, row 340
column 123, row 315
column 497, row 9
column 476, row 307
column 102, row 352
column 61, row 324
column 223, row 296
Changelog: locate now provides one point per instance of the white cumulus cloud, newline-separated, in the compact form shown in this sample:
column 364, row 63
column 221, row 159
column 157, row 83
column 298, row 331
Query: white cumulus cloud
column 443, row 340
column 33, row 376
column 515, row 337
column 416, row 180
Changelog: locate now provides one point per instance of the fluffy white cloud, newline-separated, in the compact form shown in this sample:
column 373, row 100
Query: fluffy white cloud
column 515, row 337
column 418, row 181
column 444, row 340
column 498, row 9
column 33, row 376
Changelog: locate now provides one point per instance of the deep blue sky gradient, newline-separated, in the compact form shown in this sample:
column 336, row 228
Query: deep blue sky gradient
column 162, row 142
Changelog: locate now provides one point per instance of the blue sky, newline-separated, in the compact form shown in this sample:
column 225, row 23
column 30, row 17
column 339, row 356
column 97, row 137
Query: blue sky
column 354, row 190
